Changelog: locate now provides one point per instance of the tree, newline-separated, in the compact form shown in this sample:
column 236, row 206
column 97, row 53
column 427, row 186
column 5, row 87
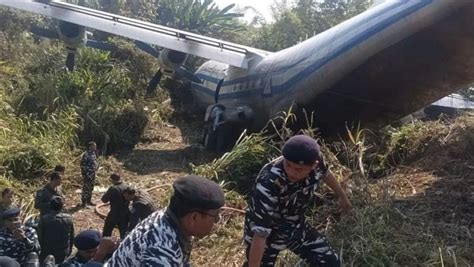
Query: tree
column 320, row 15
column 201, row 17
column 305, row 19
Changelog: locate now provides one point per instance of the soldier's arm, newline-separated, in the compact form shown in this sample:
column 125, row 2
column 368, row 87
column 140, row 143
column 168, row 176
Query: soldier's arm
column 256, row 250
column 41, row 203
column 71, row 237
column 40, row 231
column 264, row 203
column 83, row 163
column 160, row 256
column 332, row 182
column 133, row 219
column 31, row 241
column 142, row 211
column 106, row 197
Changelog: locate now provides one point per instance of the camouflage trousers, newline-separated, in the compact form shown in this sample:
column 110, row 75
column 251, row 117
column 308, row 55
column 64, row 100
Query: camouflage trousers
column 87, row 187
column 311, row 246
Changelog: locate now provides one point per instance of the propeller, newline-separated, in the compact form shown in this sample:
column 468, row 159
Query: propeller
column 70, row 60
column 50, row 34
column 180, row 71
column 70, row 31
column 154, row 82
column 101, row 45
column 147, row 48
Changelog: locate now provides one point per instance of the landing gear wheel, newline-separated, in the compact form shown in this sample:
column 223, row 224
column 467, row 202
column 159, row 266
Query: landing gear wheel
column 215, row 140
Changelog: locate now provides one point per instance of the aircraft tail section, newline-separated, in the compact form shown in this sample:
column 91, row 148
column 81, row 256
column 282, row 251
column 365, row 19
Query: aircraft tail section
column 406, row 76
column 386, row 63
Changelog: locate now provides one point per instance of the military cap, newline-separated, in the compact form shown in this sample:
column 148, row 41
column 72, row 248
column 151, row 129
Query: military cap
column 8, row 262
column 10, row 213
column 301, row 149
column 198, row 192
column 88, row 239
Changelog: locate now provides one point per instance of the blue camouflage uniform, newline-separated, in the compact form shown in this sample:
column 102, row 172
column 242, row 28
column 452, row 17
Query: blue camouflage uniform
column 156, row 241
column 18, row 249
column 74, row 261
column 277, row 210
column 88, row 168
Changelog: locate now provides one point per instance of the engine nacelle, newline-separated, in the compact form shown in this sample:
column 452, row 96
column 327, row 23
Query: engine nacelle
column 73, row 35
column 170, row 60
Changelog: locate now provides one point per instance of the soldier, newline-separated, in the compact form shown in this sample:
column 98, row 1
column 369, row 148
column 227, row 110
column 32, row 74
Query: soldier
column 142, row 205
column 119, row 213
column 86, row 243
column 17, row 240
column 275, row 217
column 88, row 169
column 7, row 201
column 45, row 194
column 56, row 232
column 163, row 239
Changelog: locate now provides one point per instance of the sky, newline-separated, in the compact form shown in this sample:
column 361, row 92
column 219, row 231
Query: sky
column 263, row 6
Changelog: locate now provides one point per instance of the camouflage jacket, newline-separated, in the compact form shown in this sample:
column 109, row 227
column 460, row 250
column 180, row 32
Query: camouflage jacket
column 89, row 163
column 156, row 241
column 18, row 249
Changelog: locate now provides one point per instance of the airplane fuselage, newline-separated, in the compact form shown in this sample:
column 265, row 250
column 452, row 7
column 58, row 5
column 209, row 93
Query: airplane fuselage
column 301, row 73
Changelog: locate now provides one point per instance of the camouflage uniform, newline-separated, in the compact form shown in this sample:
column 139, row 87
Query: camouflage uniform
column 43, row 197
column 73, row 262
column 88, row 168
column 277, row 211
column 156, row 241
column 56, row 235
column 18, row 249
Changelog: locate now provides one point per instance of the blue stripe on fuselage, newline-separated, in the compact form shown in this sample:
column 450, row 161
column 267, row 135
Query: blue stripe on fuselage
column 317, row 64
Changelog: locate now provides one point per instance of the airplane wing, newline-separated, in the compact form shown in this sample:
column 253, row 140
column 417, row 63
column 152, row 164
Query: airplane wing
column 186, row 42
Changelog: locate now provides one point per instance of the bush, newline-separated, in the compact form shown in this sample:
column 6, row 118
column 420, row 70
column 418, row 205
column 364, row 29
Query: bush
column 115, row 128
column 30, row 147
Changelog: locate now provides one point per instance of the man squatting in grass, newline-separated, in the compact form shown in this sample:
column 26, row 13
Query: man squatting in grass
column 275, row 217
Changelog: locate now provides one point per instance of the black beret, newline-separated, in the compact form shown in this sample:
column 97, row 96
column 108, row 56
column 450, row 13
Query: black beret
column 10, row 213
column 301, row 149
column 8, row 262
column 198, row 192
column 88, row 239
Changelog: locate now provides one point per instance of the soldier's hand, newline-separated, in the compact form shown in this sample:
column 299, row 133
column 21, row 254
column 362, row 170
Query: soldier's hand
column 345, row 204
column 107, row 245
column 19, row 234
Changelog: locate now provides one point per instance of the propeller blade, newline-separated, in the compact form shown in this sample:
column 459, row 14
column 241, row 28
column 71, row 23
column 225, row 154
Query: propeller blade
column 154, row 82
column 44, row 32
column 182, row 72
column 71, row 61
column 147, row 48
column 218, row 89
column 101, row 45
